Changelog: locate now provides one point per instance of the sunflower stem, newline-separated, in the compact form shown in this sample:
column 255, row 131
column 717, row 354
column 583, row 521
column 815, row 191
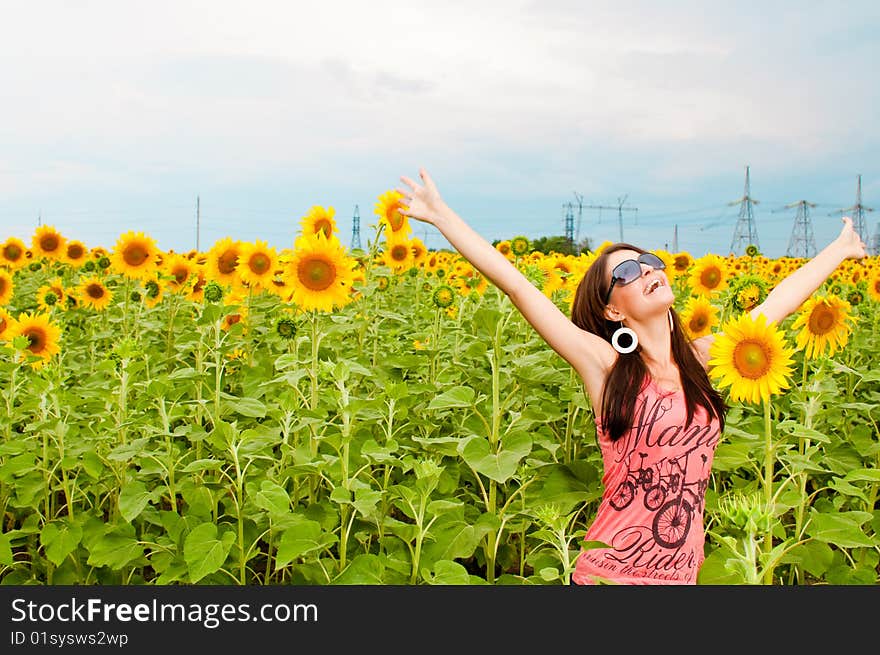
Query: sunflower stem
column 313, row 403
column 125, row 301
column 768, row 491
column 803, row 445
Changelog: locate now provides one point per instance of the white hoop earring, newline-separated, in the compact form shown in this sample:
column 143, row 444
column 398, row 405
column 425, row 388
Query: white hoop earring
column 615, row 339
column 671, row 327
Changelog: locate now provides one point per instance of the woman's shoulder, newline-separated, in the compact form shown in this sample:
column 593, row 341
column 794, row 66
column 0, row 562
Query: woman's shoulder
column 701, row 347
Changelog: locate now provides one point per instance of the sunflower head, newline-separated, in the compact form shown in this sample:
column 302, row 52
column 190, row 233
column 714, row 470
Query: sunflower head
column 519, row 245
column 398, row 255
column 48, row 242
column 13, row 253
column 93, row 293
column 75, row 253
column 320, row 274
column 257, row 263
column 709, row 274
column 6, row 323
column 213, row 291
column 444, row 296
column 7, row 287
column 752, row 358
column 319, row 220
column 752, row 250
column 699, row 317
column 41, row 338
column 855, row 297
column 135, row 256
column 286, row 328
column 874, row 285
column 824, row 324
column 390, row 210
column 747, row 291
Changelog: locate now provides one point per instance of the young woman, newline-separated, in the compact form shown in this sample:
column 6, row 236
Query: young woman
column 658, row 417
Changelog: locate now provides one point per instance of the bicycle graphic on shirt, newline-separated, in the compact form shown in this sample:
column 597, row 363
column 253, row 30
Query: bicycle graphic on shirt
column 674, row 515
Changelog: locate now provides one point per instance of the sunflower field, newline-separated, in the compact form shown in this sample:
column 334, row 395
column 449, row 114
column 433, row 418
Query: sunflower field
column 316, row 415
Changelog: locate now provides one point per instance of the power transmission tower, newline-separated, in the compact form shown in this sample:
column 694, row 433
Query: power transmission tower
column 620, row 209
column 569, row 224
column 356, row 229
column 745, row 232
column 857, row 213
column 675, row 238
column 875, row 247
column 580, row 199
column 801, row 243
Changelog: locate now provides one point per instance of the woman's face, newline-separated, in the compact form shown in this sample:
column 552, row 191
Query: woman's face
column 641, row 296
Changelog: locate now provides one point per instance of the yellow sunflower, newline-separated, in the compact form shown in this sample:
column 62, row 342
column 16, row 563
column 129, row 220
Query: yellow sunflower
column 196, row 290
column 135, row 256
column 752, row 358
column 75, row 253
column 238, row 316
column 468, row 279
column 13, row 254
column 180, row 271
column 319, row 219
column 874, row 285
column 47, row 242
column 552, row 279
column 398, row 255
column 92, row 293
column 824, row 325
column 419, row 251
column 681, row 262
column 51, row 295
column 504, row 248
column 388, row 210
column 257, row 263
column 319, row 273
column 699, row 317
column 6, row 287
column 709, row 274
column 222, row 261
column 279, row 285
column 42, row 336
column 7, row 322
column 154, row 290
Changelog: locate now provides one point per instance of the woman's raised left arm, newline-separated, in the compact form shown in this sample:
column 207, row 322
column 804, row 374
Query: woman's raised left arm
column 793, row 290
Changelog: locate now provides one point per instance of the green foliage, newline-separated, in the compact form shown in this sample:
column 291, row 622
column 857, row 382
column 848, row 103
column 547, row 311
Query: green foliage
column 160, row 448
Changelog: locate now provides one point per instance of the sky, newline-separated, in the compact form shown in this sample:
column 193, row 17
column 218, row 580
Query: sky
column 195, row 121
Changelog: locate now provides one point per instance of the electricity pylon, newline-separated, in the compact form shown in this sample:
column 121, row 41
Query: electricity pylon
column 746, row 232
column 857, row 213
column 801, row 243
column 356, row 229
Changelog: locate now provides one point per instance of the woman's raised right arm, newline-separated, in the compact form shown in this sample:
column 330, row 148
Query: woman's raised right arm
column 590, row 355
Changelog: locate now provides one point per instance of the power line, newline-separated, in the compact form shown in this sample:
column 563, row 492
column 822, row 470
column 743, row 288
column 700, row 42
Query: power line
column 620, row 209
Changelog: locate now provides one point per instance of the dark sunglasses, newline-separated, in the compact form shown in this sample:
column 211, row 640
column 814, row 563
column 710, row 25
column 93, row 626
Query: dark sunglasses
column 630, row 270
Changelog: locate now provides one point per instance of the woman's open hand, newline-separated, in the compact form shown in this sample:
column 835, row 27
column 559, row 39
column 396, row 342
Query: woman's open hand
column 422, row 202
column 850, row 241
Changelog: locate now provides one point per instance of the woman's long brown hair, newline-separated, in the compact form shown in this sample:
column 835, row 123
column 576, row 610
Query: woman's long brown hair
column 626, row 377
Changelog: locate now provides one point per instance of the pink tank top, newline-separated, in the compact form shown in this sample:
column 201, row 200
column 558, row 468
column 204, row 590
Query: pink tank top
column 651, row 512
